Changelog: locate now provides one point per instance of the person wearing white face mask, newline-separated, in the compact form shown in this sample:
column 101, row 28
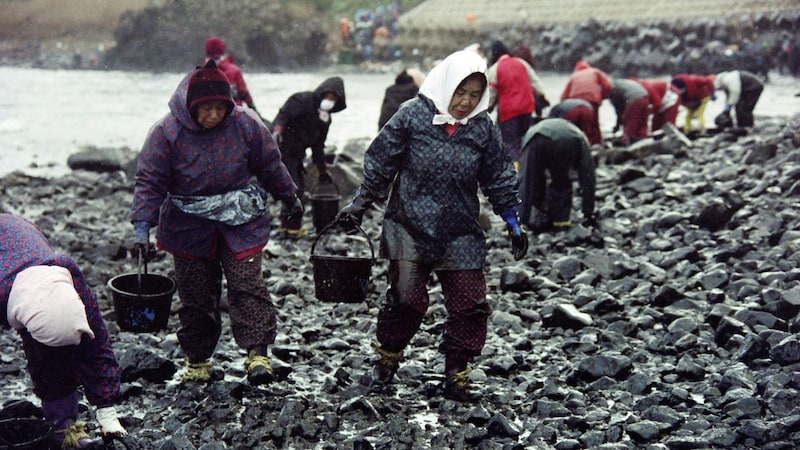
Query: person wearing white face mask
column 303, row 122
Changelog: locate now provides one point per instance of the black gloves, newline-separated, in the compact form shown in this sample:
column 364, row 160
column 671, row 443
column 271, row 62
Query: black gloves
column 545, row 102
column 519, row 239
column 351, row 215
column 590, row 221
column 724, row 120
column 324, row 176
column 292, row 210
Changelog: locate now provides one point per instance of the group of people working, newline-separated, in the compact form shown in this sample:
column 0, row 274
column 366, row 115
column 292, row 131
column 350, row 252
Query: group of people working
column 205, row 176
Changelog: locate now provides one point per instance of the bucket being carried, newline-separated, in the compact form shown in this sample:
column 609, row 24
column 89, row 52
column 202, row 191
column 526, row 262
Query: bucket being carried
column 341, row 279
column 324, row 204
column 142, row 301
column 25, row 434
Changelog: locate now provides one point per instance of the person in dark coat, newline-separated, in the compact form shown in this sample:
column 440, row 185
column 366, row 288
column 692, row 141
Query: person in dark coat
column 193, row 180
column 45, row 297
column 405, row 87
column 742, row 91
column 301, row 123
column 433, row 155
column 552, row 148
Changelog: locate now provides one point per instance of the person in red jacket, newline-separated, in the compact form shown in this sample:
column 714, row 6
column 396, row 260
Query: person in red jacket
column 215, row 49
column 590, row 84
column 632, row 103
column 512, row 86
column 664, row 100
column 695, row 92
column 579, row 112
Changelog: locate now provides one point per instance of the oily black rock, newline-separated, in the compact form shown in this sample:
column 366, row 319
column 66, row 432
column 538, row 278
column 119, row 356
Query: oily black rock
column 654, row 330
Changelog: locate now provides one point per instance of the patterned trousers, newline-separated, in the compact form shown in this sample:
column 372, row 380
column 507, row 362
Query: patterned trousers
column 464, row 294
column 252, row 314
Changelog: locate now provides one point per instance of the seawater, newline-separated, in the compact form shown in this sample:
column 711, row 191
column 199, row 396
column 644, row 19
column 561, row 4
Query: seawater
column 47, row 115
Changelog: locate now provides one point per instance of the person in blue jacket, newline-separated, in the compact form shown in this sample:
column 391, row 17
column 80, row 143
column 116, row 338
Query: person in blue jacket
column 193, row 181
column 45, row 297
column 433, row 155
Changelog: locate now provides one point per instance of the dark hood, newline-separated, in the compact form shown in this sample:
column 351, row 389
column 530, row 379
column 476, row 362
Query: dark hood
column 335, row 85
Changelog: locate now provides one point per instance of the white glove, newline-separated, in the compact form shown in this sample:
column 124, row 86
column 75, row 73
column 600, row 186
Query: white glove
column 109, row 423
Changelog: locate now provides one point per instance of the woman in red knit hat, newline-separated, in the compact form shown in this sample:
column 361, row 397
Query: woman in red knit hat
column 193, row 182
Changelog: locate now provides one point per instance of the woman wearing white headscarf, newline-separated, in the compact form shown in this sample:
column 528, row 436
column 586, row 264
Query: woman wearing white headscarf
column 432, row 156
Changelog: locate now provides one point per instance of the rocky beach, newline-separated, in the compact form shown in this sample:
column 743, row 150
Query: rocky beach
column 671, row 326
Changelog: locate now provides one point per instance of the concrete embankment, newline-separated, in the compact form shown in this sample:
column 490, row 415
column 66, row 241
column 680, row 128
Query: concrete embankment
column 623, row 37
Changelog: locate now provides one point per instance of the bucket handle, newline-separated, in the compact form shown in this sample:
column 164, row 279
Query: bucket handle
column 334, row 224
column 330, row 183
column 142, row 262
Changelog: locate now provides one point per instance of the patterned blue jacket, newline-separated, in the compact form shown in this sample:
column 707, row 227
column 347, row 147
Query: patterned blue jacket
column 432, row 215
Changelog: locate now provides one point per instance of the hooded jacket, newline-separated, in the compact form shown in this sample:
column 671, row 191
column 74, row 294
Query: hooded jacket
column 403, row 89
column 432, row 215
column 587, row 83
column 299, row 118
column 694, row 88
column 181, row 158
column 22, row 245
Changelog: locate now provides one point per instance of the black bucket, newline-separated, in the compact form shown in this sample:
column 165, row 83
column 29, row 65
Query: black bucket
column 341, row 279
column 324, row 205
column 25, row 434
column 142, row 301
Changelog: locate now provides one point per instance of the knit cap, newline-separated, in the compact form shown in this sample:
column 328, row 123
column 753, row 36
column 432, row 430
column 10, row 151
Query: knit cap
column 207, row 84
column 215, row 47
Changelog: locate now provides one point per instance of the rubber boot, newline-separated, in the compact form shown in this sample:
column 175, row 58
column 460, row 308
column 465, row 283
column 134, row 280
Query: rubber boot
column 384, row 368
column 259, row 370
column 457, row 382
column 68, row 433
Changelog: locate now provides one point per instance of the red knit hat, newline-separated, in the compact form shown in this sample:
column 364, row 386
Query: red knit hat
column 215, row 47
column 207, row 84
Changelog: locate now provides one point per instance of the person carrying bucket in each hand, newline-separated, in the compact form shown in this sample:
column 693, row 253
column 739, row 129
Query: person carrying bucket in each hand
column 45, row 297
column 433, row 154
column 193, row 180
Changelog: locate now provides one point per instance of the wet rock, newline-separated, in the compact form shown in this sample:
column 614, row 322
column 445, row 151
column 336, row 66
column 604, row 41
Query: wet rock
column 136, row 363
column 668, row 331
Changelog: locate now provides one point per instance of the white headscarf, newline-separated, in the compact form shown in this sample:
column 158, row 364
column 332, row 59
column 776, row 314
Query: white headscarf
column 443, row 80
column 43, row 300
